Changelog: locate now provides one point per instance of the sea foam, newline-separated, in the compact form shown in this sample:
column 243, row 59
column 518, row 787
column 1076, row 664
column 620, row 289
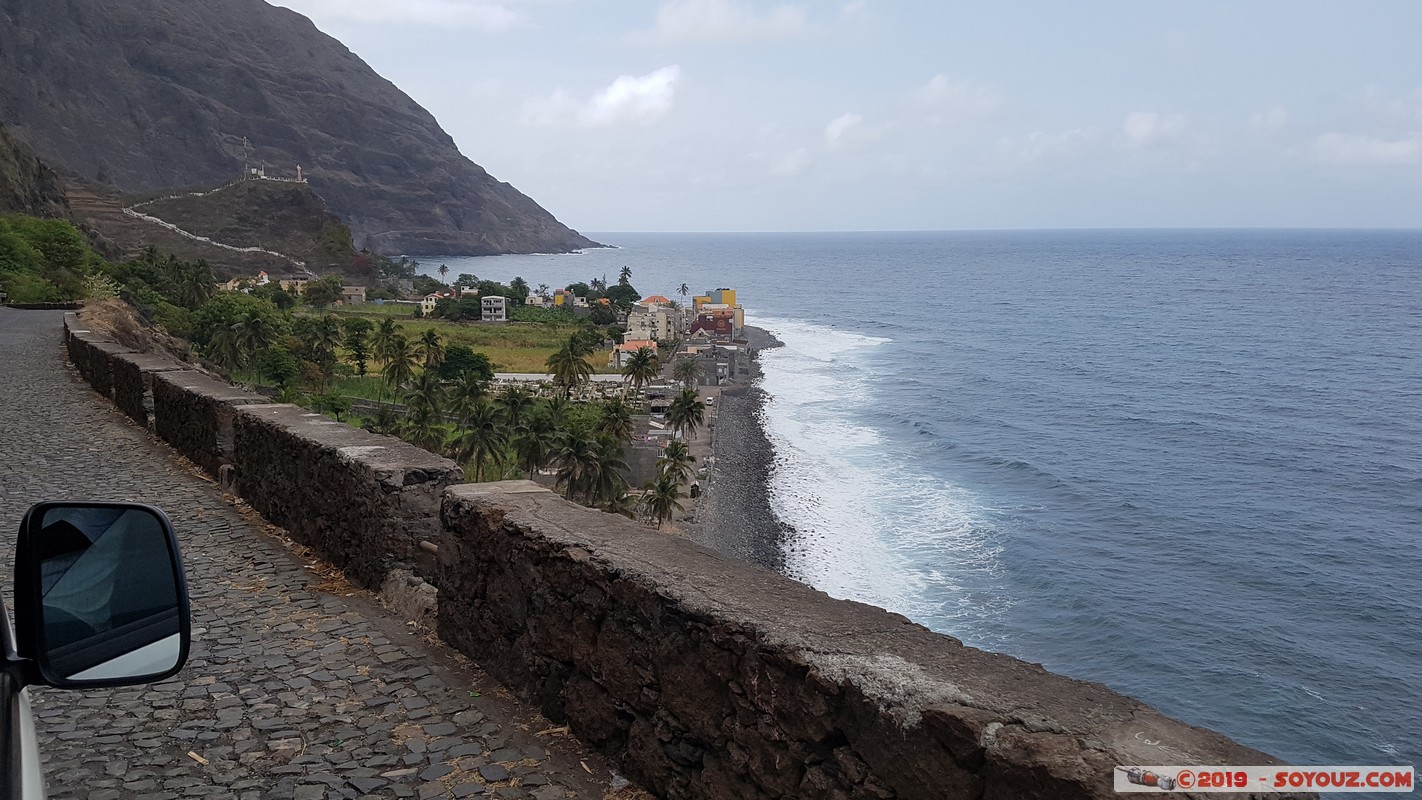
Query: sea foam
column 869, row 526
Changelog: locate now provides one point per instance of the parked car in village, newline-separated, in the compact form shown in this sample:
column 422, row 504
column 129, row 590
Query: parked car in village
column 100, row 600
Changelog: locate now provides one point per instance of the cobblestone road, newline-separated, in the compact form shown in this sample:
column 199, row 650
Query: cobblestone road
column 292, row 691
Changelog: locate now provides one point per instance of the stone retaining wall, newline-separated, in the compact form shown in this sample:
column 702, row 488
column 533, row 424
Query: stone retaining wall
column 362, row 500
column 709, row 678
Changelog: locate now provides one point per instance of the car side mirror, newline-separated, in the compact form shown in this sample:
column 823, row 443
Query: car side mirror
column 100, row 597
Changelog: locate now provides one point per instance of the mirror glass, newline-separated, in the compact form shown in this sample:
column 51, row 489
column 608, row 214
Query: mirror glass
column 110, row 594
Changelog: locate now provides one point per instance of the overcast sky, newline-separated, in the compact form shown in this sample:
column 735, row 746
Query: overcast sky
column 752, row 115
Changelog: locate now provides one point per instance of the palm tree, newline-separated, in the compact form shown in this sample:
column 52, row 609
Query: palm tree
column 661, row 498
column 430, row 349
column 568, row 368
column 686, row 412
column 683, row 289
column 482, row 439
column 607, row 476
column 255, row 333
column 385, row 421
column 196, row 285
column 615, row 420
column 426, row 391
column 444, row 273
column 534, row 442
column 519, row 287
column 384, row 337
column 624, row 276
column 641, row 368
column 597, row 285
column 676, row 461
column 578, row 459
column 467, row 391
column 399, row 363
column 556, row 408
column 516, row 403
column 623, row 503
column 687, row 370
column 326, row 334
column 225, row 350
column 423, row 427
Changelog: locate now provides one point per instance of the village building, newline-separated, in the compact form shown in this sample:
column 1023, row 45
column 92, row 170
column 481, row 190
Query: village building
column 624, row 351
column 352, row 295
column 494, row 309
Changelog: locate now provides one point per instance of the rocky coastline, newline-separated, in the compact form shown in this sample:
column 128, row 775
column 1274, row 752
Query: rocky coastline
column 734, row 516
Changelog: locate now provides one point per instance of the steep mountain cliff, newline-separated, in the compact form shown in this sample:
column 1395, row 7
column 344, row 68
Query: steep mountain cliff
column 147, row 94
column 27, row 186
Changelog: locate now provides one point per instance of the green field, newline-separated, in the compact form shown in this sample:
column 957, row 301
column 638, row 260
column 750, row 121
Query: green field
column 511, row 346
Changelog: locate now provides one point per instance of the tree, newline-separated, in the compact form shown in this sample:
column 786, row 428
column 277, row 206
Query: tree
column 569, row 368
column 615, row 420
column 683, row 289
column 623, row 296
column 687, row 370
column 482, row 438
column 399, row 364
column 426, row 391
column 444, row 272
column 358, row 343
column 468, row 389
column 384, row 338
column 430, row 348
column 332, row 404
column 641, row 368
column 459, row 359
column 423, row 427
column 225, row 350
column 624, row 276
column 516, row 403
column 578, row 289
column 607, row 476
column 686, row 412
column 255, row 332
column 384, row 422
column 519, row 286
column 600, row 314
column 577, row 457
column 661, row 498
column 465, row 279
column 196, row 284
column 279, row 366
column 534, row 442
column 676, row 460
column 323, row 292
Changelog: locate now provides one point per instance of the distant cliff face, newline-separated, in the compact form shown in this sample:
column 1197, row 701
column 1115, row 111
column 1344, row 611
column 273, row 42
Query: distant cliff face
column 27, row 186
column 146, row 94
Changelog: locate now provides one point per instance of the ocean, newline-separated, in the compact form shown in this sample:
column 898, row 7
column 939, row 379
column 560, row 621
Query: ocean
column 1186, row 464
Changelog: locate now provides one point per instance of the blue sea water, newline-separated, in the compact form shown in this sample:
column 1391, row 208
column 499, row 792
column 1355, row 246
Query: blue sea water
column 1186, row 464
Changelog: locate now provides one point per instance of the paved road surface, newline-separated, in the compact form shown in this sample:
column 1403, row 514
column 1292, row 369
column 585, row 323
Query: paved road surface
column 291, row 691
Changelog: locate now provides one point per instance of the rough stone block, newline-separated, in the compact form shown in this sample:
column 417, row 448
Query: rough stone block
column 193, row 413
column 133, row 382
column 363, row 500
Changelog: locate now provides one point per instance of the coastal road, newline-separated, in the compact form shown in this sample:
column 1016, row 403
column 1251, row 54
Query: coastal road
column 298, row 686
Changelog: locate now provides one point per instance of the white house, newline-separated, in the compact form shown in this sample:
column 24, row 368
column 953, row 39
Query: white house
column 495, row 308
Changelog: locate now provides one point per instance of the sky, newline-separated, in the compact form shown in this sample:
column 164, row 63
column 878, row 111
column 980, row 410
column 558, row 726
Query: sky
column 758, row 115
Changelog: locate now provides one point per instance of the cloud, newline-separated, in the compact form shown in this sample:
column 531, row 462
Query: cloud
column 1348, row 149
column 1040, row 145
column 945, row 100
column 1268, row 121
column 639, row 99
column 723, row 21
column 792, row 164
column 837, row 128
column 488, row 15
column 1144, row 129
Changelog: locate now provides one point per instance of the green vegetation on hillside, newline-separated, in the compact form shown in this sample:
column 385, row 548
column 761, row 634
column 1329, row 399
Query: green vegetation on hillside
column 44, row 260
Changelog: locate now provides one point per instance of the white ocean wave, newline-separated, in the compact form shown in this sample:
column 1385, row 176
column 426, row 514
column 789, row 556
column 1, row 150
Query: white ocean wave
column 869, row 526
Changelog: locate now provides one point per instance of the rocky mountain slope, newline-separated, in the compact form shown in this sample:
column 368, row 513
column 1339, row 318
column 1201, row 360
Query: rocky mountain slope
column 147, row 94
column 27, row 186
